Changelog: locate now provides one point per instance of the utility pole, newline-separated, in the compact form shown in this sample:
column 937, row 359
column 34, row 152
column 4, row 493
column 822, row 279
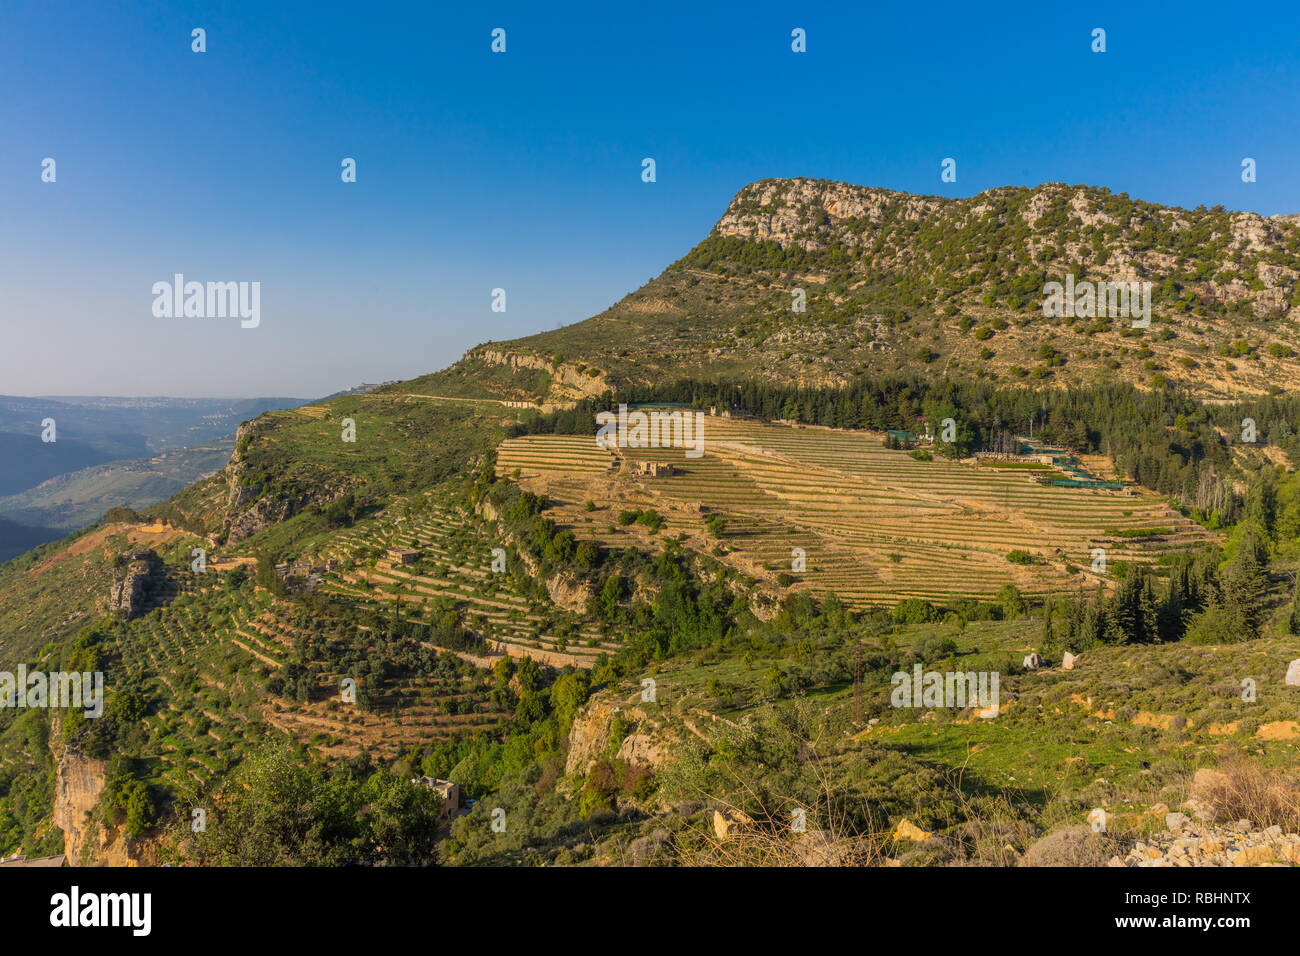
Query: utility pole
column 857, row 684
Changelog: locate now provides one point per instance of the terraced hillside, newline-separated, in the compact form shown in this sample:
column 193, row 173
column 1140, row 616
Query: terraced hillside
column 875, row 525
column 435, row 577
column 454, row 569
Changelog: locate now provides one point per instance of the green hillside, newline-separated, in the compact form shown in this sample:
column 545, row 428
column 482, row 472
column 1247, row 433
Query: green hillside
column 643, row 656
column 923, row 285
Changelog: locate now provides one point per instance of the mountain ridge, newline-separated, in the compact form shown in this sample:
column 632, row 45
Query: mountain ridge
column 896, row 282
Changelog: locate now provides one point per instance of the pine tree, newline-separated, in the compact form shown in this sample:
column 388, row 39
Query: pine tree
column 1244, row 584
column 1169, row 620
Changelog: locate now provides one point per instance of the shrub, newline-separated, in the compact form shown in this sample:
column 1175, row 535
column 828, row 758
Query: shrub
column 937, row 648
column 1243, row 790
column 915, row 611
column 1216, row 625
column 651, row 519
column 1073, row 846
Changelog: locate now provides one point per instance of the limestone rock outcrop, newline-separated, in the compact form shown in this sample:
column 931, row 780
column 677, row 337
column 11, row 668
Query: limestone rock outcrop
column 79, row 782
column 138, row 586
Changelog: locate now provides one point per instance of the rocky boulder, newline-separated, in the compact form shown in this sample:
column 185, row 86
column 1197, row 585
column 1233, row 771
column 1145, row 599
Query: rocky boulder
column 727, row 821
column 569, row 593
column 907, row 830
column 137, row 584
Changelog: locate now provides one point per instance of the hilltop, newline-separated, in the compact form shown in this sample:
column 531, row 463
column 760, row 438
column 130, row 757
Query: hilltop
column 896, row 283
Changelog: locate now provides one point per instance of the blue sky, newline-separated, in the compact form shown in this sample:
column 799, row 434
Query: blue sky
column 479, row 170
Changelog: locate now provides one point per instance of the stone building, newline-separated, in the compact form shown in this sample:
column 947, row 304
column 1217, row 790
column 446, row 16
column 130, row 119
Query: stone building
column 655, row 469
column 449, row 791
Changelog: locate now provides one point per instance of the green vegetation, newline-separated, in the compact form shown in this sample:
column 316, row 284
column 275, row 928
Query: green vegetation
column 475, row 591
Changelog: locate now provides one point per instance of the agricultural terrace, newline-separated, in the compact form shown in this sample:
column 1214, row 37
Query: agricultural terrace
column 877, row 526
column 454, row 570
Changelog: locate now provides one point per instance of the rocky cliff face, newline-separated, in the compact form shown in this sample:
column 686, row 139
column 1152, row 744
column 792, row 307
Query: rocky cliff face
column 1137, row 240
column 139, row 586
column 257, row 494
column 812, row 213
column 645, row 742
column 570, row 594
column 77, row 788
column 249, row 509
column 76, row 791
column 568, row 381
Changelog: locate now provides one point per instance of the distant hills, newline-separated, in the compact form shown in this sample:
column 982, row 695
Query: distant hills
column 76, row 498
column 107, row 451
column 16, row 539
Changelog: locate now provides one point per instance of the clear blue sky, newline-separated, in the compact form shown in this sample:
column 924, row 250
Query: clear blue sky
column 522, row 170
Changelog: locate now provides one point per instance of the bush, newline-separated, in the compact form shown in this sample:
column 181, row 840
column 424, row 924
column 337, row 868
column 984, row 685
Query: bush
column 915, row 611
column 341, row 512
column 1242, row 790
column 1073, row 846
column 651, row 519
column 937, row 648
column 1216, row 625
